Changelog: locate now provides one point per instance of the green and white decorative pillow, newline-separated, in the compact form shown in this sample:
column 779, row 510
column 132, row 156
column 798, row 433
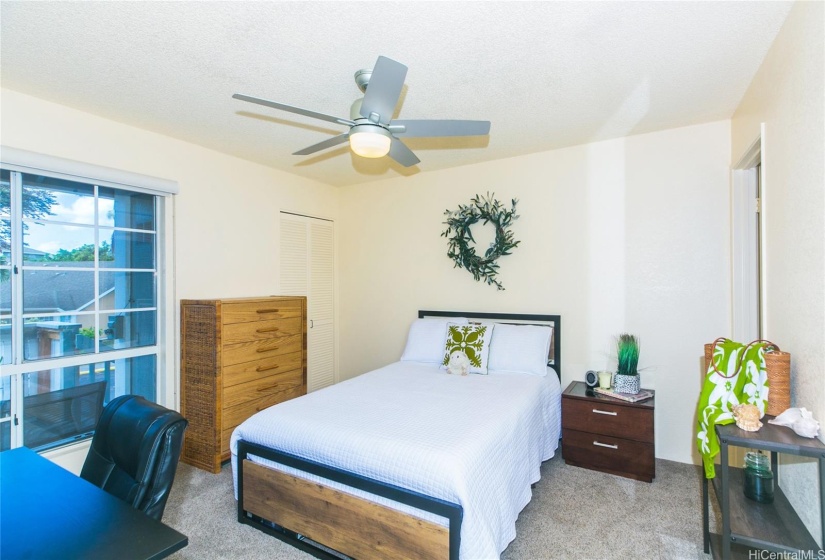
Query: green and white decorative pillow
column 473, row 340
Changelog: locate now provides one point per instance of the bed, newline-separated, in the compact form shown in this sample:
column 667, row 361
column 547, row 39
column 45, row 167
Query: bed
column 407, row 461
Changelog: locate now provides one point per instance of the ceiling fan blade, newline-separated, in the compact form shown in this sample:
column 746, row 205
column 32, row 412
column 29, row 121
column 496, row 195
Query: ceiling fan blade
column 384, row 89
column 402, row 154
column 328, row 143
column 291, row 109
column 432, row 128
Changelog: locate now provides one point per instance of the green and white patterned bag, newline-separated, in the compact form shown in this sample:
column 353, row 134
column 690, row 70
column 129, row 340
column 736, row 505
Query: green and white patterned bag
column 736, row 375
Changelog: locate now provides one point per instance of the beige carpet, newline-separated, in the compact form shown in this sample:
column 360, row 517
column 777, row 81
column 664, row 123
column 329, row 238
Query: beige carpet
column 574, row 513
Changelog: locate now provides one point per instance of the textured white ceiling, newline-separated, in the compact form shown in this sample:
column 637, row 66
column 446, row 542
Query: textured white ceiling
column 546, row 74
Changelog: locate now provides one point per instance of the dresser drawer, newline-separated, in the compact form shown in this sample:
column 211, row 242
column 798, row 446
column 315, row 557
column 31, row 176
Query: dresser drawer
column 232, row 416
column 245, row 312
column 258, row 349
column 235, row 415
column 609, row 454
column 262, row 387
column 599, row 417
column 251, row 371
column 261, row 330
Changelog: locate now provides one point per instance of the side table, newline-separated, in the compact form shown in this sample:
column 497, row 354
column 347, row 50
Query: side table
column 748, row 525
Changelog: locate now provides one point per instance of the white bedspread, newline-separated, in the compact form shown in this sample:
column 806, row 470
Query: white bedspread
column 477, row 440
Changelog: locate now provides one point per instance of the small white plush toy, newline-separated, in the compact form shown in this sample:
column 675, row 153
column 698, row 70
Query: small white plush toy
column 459, row 363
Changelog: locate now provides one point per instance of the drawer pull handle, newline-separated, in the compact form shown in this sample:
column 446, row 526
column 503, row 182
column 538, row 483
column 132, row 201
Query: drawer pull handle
column 268, row 310
column 269, row 349
column 270, row 329
column 262, row 368
column 263, row 389
column 605, row 445
column 597, row 411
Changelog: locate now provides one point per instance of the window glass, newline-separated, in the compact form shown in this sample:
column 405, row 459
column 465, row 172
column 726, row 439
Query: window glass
column 63, row 405
column 127, row 290
column 129, row 329
column 46, row 244
column 5, row 225
column 5, row 339
column 5, row 193
column 5, row 435
column 58, row 200
column 57, row 336
column 131, row 249
column 126, row 209
column 5, row 241
column 58, row 290
column 5, row 413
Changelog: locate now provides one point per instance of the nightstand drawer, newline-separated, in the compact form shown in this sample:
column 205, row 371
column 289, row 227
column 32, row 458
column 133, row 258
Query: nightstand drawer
column 600, row 417
column 609, row 454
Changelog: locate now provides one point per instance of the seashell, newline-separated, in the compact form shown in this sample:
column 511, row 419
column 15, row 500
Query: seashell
column 747, row 417
column 806, row 427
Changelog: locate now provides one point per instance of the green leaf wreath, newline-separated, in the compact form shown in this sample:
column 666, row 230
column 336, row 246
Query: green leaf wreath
column 461, row 243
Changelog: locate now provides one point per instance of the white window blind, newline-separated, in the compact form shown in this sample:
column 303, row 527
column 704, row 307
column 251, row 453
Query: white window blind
column 24, row 161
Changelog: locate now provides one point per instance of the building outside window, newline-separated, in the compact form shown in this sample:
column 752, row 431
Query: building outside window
column 80, row 304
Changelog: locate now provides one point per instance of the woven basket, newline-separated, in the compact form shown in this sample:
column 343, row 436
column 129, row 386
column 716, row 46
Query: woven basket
column 778, row 367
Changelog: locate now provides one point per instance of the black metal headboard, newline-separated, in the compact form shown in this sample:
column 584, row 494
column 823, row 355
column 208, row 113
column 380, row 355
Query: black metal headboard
column 554, row 359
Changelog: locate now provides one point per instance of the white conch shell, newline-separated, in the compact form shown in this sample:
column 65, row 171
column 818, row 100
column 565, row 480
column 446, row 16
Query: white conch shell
column 806, row 427
column 789, row 417
column 800, row 420
column 747, row 417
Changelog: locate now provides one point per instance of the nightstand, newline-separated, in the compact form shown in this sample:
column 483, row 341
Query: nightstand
column 607, row 434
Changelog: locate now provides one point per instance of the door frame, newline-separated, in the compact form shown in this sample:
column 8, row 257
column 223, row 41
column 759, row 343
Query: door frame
column 748, row 285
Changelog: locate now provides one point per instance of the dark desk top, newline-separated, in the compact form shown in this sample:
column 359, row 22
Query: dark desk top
column 48, row 512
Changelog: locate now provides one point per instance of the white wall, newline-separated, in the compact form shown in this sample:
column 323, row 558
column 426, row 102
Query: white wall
column 622, row 235
column 787, row 94
column 226, row 215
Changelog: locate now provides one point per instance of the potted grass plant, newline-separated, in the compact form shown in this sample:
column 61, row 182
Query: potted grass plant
column 626, row 379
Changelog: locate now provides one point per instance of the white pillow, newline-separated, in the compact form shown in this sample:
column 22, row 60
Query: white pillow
column 473, row 340
column 425, row 341
column 522, row 348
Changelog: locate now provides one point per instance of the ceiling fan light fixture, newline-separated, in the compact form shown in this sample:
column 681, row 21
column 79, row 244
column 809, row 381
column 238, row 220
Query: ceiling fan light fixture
column 373, row 133
column 370, row 141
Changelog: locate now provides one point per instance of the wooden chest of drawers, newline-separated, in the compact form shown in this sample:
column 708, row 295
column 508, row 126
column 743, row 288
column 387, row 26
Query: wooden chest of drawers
column 238, row 356
column 608, row 435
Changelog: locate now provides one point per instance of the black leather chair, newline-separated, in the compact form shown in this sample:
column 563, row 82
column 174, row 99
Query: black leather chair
column 135, row 452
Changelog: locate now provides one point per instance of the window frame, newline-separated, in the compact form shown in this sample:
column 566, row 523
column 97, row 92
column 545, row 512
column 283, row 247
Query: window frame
column 166, row 383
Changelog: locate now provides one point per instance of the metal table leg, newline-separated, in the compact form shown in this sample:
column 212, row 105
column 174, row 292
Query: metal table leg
column 725, row 489
column 705, row 512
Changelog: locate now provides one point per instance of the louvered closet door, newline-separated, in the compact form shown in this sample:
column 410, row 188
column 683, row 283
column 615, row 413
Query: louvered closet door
column 307, row 265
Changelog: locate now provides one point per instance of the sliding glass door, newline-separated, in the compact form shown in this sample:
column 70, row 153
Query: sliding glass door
column 79, row 304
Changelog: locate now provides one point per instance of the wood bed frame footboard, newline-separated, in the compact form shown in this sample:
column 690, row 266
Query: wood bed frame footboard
column 305, row 513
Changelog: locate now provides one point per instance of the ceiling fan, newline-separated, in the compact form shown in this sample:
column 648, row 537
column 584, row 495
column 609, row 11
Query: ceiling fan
column 373, row 133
